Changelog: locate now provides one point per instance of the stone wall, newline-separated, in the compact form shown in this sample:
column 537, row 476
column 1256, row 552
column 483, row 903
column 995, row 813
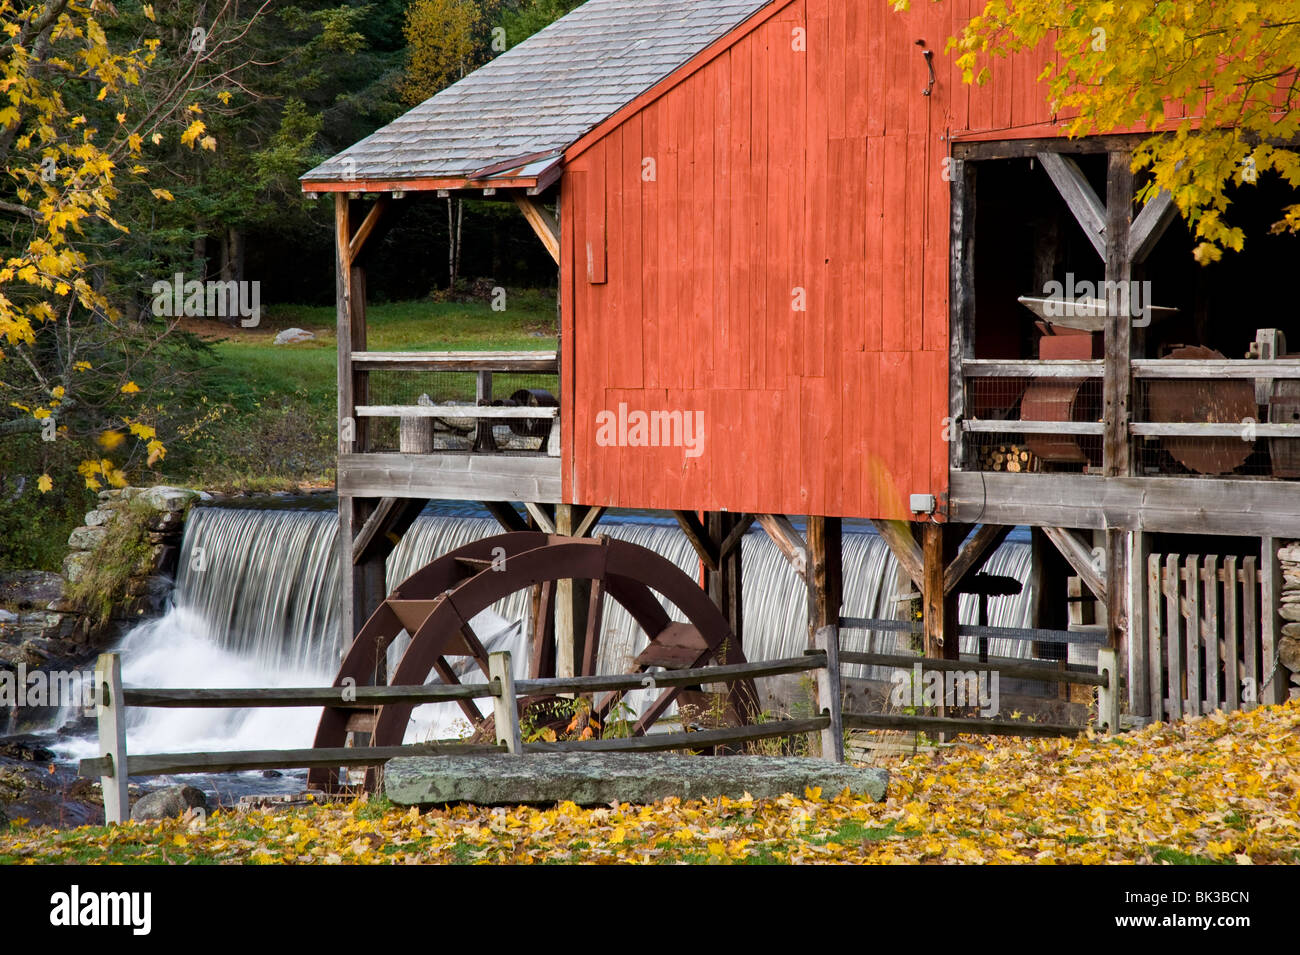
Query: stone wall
column 46, row 628
column 1289, row 645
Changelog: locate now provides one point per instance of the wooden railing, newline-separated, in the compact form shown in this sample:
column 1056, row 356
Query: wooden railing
column 485, row 410
column 114, row 766
column 990, row 383
column 1106, row 677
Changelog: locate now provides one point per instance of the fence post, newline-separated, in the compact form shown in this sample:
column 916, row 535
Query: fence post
column 1108, row 695
column 829, row 690
column 504, row 708
column 111, row 716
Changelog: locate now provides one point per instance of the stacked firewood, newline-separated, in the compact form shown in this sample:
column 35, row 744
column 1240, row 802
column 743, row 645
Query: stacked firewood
column 1008, row 457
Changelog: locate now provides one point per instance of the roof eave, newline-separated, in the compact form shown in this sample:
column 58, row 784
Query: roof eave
column 534, row 178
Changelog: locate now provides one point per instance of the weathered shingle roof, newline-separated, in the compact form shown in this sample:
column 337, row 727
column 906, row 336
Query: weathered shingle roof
column 544, row 94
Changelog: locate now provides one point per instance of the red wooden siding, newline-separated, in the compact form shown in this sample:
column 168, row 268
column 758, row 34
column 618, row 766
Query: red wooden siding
column 778, row 170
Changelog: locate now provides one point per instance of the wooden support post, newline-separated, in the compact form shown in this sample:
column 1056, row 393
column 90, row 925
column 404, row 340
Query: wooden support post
column 1108, row 695
column 1117, row 591
column 1139, row 666
column 505, row 708
column 363, row 586
column 1117, row 386
column 961, row 308
column 572, row 598
column 826, row 572
column 725, row 585
column 1273, row 686
column 830, row 692
column 111, row 716
column 940, row 607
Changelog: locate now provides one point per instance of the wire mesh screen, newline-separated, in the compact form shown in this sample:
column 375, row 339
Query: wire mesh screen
column 452, row 433
column 1067, row 400
column 1238, row 405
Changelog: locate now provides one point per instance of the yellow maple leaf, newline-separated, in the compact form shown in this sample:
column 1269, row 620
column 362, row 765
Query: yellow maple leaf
column 44, row 483
column 192, row 133
column 130, row 388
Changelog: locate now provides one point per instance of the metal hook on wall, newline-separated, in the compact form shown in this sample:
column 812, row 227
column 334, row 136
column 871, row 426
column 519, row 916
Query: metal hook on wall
column 929, row 63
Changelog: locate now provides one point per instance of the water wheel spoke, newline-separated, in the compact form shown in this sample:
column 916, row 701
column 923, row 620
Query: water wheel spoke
column 448, row 676
column 595, row 620
column 543, row 638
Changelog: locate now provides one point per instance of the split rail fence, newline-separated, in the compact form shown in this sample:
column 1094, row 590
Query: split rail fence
column 115, row 766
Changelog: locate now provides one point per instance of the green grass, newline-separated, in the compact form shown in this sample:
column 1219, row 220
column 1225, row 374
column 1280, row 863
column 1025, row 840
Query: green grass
column 265, row 413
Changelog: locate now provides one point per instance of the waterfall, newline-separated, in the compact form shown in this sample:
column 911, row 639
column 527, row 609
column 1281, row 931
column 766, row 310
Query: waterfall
column 257, row 604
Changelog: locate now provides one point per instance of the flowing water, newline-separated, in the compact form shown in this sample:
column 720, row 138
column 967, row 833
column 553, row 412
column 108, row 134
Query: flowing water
column 256, row 604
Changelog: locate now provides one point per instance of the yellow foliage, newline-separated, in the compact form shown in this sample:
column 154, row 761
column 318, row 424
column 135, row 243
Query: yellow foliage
column 441, row 42
column 1216, row 79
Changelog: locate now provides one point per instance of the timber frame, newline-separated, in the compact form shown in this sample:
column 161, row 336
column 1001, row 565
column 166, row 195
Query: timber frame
column 1119, row 505
column 382, row 493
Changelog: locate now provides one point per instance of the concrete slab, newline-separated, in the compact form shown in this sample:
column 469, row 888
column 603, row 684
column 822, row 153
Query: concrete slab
column 602, row 778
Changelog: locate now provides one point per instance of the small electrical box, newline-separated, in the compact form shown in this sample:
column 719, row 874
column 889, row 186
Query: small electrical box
column 922, row 503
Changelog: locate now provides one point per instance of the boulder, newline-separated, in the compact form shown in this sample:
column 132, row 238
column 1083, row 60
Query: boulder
column 168, row 803
column 166, row 498
column 87, row 538
column 602, row 778
column 291, row 336
column 1288, row 652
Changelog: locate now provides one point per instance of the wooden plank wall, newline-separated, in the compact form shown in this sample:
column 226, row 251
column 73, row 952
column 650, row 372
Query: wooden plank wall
column 782, row 177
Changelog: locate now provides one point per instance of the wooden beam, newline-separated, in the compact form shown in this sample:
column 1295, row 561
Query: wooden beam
column 451, row 477
column 737, row 534
column 1174, row 505
column 974, row 554
column 368, row 224
column 898, row 535
column 1117, row 383
column 506, row 515
column 1081, row 558
column 1150, row 224
column 939, row 607
column 699, row 536
column 826, row 574
column 726, row 585
column 543, row 223
column 1078, row 194
column 383, row 529
column 788, row 541
column 961, row 294
column 1274, row 681
column 589, row 521
column 1118, row 375
column 1030, row 148
column 1139, row 664
column 544, row 520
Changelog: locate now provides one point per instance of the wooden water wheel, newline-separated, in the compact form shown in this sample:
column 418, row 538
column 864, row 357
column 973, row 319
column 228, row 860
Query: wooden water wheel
column 436, row 604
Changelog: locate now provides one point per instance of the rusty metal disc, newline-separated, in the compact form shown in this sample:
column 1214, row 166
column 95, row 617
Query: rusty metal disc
column 1058, row 399
column 1202, row 400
